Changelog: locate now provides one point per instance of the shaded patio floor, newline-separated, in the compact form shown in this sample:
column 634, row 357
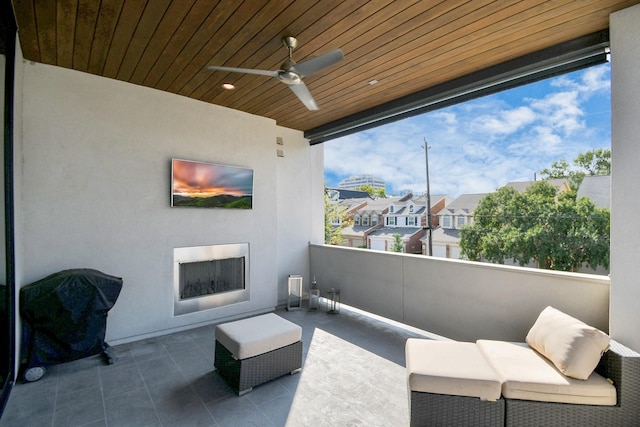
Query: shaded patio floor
column 353, row 375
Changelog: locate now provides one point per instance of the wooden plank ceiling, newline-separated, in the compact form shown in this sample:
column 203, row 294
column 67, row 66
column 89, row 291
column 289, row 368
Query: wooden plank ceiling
column 404, row 45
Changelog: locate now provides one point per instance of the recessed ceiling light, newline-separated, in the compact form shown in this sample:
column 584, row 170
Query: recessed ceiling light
column 228, row 86
column 372, row 82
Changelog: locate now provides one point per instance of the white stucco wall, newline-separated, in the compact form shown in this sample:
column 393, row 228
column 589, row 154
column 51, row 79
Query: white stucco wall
column 96, row 183
column 625, row 175
column 461, row 300
column 297, row 212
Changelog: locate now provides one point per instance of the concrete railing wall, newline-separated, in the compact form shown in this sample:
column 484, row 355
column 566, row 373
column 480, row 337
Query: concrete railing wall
column 457, row 299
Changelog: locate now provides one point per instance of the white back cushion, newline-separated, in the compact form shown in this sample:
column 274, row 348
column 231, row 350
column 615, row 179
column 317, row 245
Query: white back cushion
column 574, row 347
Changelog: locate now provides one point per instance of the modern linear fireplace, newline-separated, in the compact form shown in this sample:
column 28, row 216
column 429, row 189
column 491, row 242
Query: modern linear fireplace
column 207, row 277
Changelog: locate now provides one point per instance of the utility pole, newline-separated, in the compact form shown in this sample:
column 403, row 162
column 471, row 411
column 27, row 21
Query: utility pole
column 428, row 201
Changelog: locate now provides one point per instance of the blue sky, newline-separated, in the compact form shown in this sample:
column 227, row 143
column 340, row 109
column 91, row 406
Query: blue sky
column 479, row 146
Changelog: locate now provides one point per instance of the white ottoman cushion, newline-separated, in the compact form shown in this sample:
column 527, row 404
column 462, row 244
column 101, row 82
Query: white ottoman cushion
column 450, row 367
column 527, row 375
column 257, row 335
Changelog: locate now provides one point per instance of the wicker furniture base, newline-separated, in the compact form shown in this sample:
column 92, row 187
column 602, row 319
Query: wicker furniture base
column 430, row 409
column 243, row 375
column 622, row 366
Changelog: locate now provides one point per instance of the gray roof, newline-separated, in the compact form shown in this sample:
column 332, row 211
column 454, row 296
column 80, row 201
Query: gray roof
column 377, row 205
column 467, row 202
column 598, row 189
column 355, row 230
column 445, row 235
column 405, row 232
column 350, row 194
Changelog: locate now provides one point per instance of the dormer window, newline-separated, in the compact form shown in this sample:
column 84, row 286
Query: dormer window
column 446, row 221
column 411, row 208
column 365, row 220
column 460, row 221
column 356, row 219
column 391, row 209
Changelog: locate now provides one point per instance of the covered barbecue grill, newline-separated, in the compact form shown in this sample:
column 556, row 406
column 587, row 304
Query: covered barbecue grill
column 65, row 318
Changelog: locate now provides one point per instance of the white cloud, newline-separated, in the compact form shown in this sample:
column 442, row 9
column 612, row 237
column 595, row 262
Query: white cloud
column 561, row 110
column 481, row 145
column 504, row 122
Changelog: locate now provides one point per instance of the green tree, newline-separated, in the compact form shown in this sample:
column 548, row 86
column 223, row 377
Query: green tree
column 368, row 188
column 595, row 162
column 592, row 162
column 540, row 225
column 380, row 193
column 397, row 245
column 335, row 220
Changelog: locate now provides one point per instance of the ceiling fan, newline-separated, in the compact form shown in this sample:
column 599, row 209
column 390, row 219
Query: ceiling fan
column 291, row 73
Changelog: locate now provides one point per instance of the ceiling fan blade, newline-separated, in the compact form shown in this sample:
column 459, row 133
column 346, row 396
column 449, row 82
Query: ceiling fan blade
column 244, row 70
column 303, row 93
column 310, row 66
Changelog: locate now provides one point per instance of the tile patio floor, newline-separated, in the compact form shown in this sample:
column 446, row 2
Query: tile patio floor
column 353, row 375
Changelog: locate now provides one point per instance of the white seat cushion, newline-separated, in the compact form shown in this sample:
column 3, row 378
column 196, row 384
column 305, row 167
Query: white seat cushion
column 257, row 335
column 449, row 367
column 527, row 375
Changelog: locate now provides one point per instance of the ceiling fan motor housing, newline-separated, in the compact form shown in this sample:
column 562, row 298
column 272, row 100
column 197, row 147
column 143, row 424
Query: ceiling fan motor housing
column 288, row 73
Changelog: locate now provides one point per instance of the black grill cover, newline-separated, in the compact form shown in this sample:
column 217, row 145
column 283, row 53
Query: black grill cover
column 65, row 315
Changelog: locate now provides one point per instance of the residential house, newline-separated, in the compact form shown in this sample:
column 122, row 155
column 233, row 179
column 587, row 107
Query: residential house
column 100, row 96
column 446, row 238
column 406, row 217
column 367, row 217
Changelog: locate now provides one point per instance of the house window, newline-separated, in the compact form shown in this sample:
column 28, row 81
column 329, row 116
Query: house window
column 356, row 219
column 411, row 208
column 411, row 220
column 374, row 219
column 446, row 221
column 391, row 209
column 392, row 220
column 365, row 220
column 460, row 221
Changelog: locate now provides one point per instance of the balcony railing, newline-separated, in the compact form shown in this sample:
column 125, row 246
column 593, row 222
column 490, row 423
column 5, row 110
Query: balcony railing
column 461, row 300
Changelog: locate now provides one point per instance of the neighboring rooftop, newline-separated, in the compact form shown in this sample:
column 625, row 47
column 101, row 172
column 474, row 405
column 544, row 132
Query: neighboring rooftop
column 560, row 184
column 343, row 194
column 598, row 189
column 466, row 202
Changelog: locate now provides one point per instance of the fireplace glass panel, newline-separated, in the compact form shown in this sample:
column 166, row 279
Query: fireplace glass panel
column 211, row 277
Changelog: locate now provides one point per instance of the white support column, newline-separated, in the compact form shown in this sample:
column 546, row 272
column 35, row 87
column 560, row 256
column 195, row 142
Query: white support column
column 625, row 197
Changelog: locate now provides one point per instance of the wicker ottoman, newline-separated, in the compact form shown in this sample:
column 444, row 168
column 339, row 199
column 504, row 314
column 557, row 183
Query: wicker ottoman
column 252, row 351
column 451, row 383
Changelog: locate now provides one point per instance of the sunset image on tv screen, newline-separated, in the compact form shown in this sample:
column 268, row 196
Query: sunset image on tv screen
column 208, row 185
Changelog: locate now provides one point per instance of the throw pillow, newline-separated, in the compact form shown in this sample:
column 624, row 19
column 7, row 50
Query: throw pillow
column 574, row 347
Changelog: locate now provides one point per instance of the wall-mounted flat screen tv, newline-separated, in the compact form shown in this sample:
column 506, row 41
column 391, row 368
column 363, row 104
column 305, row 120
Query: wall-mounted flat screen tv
column 208, row 185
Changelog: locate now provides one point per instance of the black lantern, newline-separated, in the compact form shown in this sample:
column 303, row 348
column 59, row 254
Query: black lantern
column 333, row 301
